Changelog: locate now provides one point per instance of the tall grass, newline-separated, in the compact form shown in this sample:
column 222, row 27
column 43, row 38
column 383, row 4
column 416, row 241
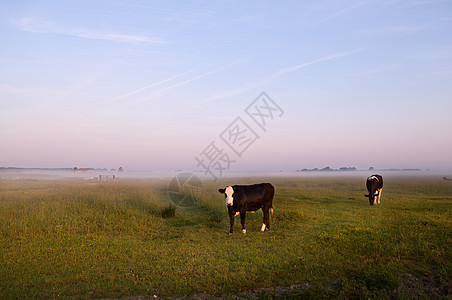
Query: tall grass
column 79, row 240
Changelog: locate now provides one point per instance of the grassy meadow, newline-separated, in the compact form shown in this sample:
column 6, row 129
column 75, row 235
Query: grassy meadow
column 73, row 239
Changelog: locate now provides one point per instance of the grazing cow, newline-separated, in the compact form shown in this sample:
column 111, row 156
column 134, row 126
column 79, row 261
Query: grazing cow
column 374, row 186
column 241, row 199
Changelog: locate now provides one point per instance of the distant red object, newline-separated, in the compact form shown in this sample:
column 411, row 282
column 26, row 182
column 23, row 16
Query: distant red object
column 84, row 170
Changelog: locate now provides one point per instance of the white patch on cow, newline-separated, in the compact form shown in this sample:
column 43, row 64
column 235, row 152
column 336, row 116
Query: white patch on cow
column 263, row 227
column 377, row 197
column 244, row 231
column 229, row 192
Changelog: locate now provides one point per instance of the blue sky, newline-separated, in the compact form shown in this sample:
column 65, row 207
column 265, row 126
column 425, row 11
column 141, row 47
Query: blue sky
column 148, row 85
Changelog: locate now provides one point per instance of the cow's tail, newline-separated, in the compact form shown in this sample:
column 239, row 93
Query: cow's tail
column 271, row 213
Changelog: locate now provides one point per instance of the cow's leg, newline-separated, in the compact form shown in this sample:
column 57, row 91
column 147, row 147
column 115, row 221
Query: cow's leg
column 231, row 214
column 231, row 221
column 371, row 198
column 242, row 220
column 266, row 221
column 379, row 195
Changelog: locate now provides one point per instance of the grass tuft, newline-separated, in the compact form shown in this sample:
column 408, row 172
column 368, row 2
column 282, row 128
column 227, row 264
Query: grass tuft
column 169, row 211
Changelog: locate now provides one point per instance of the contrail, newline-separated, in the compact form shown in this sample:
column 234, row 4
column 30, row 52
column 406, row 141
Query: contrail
column 159, row 92
column 341, row 12
column 262, row 81
column 312, row 62
column 148, row 87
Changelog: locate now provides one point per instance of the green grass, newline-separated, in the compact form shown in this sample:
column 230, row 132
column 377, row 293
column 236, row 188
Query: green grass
column 80, row 240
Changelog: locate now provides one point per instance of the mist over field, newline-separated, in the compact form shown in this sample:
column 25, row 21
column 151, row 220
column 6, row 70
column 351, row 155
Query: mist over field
column 58, row 174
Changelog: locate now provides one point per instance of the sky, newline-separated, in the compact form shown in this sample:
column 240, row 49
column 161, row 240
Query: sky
column 226, row 86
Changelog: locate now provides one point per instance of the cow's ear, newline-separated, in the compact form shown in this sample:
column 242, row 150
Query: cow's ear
column 222, row 191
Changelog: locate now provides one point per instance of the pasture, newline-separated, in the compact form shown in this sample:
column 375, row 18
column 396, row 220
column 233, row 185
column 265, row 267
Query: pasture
column 72, row 239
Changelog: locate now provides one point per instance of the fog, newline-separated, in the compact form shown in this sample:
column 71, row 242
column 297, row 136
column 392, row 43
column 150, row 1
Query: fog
column 17, row 174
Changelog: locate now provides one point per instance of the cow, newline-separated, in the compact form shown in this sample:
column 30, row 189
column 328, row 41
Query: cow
column 374, row 186
column 241, row 199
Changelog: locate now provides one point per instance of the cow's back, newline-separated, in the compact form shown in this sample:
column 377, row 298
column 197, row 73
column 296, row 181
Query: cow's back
column 260, row 188
column 256, row 195
column 379, row 181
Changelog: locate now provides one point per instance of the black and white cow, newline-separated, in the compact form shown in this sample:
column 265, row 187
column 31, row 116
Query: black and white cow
column 374, row 186
column 241, row 199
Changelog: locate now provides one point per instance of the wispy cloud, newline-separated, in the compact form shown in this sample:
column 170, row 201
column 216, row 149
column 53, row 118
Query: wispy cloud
column 383, row 69
column 153, row 85
column 341, row 12
column 38, row 26
column 429, row 2
column 444, row 73
column 261, row 82
column 312, row 62
column 156, row 93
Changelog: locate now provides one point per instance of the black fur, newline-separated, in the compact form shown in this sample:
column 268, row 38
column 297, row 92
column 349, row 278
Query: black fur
column 374, row 184
column 250, row 198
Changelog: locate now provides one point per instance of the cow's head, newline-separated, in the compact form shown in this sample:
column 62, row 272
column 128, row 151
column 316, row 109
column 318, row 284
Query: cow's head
column 372, row 196
column 228, row 194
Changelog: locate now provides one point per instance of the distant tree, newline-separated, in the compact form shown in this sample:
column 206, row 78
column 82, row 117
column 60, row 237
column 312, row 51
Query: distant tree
column 75, row 169
column 371, row 168
column 120, row 169
column 347, row 169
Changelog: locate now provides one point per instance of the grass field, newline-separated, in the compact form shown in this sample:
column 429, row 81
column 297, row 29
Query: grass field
column 71, row 239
